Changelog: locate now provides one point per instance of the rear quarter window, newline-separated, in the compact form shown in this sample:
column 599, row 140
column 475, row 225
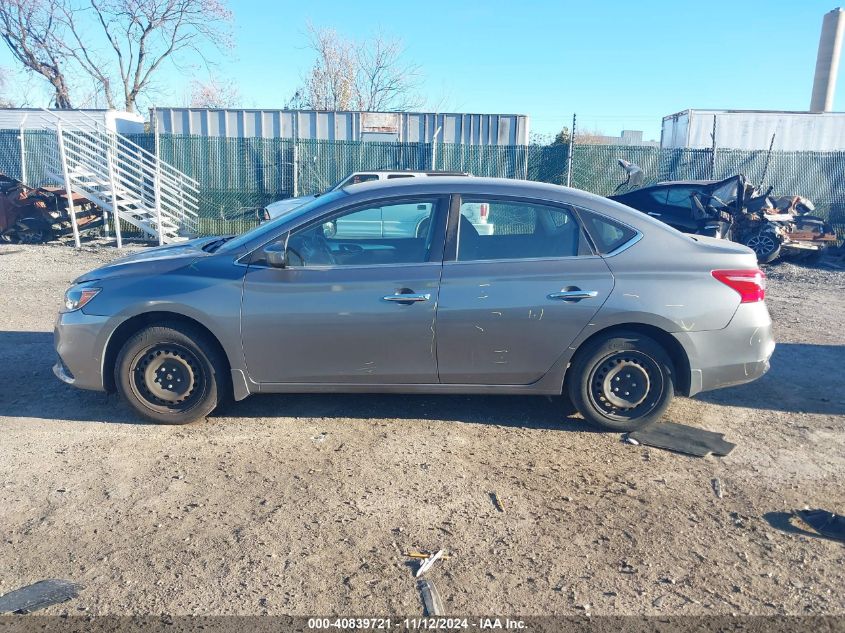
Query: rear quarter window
column 607, row 234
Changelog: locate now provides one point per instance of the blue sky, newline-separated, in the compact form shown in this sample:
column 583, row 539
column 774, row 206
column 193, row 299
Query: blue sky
column 617, row 64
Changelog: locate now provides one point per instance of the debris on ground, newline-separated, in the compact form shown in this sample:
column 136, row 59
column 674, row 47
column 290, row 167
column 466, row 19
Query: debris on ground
column 626, row 568
column 497, row 502
column 428, row 562
column 39, row 595
column 828, row 524
column 683, row 439
column 417, row 554
column 32, row 215
column 717, row 487
column 431, row 598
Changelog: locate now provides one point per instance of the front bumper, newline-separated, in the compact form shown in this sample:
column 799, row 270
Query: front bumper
column 79, row 340
column 734, row 355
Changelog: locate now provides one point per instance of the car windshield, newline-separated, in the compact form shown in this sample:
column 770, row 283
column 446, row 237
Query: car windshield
column 269, row 227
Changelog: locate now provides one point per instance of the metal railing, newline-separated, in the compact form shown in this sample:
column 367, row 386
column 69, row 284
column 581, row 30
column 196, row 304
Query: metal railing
column 124, row 179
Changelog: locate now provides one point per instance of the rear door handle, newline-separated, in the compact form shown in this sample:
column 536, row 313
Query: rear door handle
column 407, row 298
column 574, row 295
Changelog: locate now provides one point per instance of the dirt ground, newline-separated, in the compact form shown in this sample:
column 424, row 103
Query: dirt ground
column 306, row 504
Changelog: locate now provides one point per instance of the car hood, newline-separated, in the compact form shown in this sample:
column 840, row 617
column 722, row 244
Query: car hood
column 151, row 261
column 281, row 207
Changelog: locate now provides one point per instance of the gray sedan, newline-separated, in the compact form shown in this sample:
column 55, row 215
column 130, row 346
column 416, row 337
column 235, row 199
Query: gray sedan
column 566, row 293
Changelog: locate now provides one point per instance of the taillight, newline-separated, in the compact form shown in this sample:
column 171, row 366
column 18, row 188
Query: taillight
column 483, row 210
column 750, row 284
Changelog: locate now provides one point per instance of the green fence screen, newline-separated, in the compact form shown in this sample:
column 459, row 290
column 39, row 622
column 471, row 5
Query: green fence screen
column 239, row 176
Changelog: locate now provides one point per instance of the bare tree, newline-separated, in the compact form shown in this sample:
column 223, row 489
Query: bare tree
column 330, row 83
column 214, row 94
column 383, row 81
column 141, row 35
column 349, row 75
column 117, row 44
column 30, row 29
column 5, row 101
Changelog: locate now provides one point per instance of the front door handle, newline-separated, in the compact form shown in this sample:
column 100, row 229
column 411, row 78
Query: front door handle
column 407, row 298
column 574, row 295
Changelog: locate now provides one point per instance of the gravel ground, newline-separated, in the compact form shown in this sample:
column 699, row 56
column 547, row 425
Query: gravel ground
column 306, row 504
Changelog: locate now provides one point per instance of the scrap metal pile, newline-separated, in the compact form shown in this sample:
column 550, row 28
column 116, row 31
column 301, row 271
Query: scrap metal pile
column 32, row 215
column 733, row 209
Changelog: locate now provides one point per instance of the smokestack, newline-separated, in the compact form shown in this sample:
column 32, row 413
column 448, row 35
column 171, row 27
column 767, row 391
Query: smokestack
column 827, row 62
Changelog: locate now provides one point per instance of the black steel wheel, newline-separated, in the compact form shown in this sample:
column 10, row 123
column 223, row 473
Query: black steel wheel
column 621, row 382
column 167, row 377
column 171, row 374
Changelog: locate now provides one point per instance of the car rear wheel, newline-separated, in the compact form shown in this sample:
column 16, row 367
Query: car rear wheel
column 171, row 373
column 621, row 382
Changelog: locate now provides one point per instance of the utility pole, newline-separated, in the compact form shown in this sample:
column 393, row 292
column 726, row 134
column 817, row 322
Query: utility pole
column 570, row 154
column 713, row 151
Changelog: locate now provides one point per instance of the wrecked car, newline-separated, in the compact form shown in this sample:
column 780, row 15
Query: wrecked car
column 733, row 209
column 33, row 215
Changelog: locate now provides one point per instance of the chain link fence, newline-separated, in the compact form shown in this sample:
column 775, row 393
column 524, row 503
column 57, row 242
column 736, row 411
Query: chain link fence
column 239, row 176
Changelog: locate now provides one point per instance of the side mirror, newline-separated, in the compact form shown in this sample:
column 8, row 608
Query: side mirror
column 276, row 255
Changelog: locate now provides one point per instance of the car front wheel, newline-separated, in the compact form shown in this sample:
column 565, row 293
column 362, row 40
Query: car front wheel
column 765, row 244
column 171, row 373
column 621, row 382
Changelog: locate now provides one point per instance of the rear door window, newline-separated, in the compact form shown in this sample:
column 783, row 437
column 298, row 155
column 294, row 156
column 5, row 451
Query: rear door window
column 491, row 229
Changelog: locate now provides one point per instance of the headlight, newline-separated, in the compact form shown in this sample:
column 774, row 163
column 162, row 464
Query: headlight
column 77, row 297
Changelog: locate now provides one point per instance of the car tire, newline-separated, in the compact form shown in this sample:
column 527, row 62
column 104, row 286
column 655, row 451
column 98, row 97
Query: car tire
column 765, row 245
column 171, row 373
column 32, row 231
column 610, row 397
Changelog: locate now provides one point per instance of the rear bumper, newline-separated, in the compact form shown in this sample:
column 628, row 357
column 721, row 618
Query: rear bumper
column 734, row 355
column 78, row 338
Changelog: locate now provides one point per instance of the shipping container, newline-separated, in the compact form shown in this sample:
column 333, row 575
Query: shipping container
column 753, row 130
column 410, row 127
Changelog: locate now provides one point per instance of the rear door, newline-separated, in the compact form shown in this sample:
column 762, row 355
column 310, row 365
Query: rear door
column 513, row 299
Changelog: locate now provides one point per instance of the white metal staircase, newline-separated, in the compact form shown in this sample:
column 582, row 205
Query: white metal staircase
column 124, row 180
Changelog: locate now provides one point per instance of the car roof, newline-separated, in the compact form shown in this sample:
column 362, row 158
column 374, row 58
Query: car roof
column 501, row 187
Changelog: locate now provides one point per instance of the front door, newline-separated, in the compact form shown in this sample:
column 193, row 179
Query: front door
column 513, row 299
column 353, row 305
